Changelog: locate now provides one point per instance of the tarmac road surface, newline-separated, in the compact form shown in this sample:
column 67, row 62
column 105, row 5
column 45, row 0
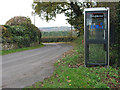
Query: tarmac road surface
column 24, row 68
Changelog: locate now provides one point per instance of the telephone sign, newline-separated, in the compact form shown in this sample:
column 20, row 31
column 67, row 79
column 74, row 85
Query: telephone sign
column 100, row 26
column 96, row 36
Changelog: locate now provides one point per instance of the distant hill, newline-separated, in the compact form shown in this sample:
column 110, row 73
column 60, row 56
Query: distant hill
column 49, row 29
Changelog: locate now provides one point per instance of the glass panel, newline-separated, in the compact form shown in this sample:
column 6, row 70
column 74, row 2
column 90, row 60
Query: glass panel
column 96, row 24
column 97, row 53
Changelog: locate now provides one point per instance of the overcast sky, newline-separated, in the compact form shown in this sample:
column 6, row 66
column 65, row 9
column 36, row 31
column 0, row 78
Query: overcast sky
column 11, row 8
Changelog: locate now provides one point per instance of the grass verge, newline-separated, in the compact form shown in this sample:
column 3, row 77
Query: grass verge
column 4, row 52
column 70, row 73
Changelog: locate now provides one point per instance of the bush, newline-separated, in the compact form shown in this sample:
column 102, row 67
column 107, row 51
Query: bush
column 22, row 33
column 25, row 34
column 115, row 47
column 117, row 43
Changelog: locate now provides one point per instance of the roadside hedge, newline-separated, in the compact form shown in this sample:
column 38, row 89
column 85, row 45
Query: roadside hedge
column 23, row 35
column 19, row 30
column 57, row 39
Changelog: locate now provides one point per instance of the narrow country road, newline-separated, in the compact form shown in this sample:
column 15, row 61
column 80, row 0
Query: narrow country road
column 22, row 69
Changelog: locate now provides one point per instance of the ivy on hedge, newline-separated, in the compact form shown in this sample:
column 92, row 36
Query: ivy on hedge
column 23, row 35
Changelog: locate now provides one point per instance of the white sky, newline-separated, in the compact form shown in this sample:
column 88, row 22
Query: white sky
column 11, row 8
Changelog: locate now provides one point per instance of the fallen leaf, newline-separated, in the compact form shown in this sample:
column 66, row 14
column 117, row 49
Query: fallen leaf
column 57, row 75
column 67, row 77
column 42, row 85
column 69, row 84
column 68, row 80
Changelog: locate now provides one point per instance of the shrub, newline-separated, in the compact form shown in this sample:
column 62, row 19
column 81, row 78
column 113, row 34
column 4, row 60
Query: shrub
column 25, row 34
column 19, row 30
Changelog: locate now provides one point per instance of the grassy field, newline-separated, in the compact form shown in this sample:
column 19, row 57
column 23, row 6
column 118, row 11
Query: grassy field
column 58, row 34
column 71, row 73
column 57, row 39
column 4, row 52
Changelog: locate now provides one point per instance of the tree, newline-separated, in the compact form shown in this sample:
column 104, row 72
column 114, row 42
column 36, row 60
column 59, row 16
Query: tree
column 72, row 10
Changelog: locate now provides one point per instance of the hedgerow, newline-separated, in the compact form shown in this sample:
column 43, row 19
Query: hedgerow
column 22, row 34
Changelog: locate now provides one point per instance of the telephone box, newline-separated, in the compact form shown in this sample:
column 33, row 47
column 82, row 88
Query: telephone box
column 96, row 36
